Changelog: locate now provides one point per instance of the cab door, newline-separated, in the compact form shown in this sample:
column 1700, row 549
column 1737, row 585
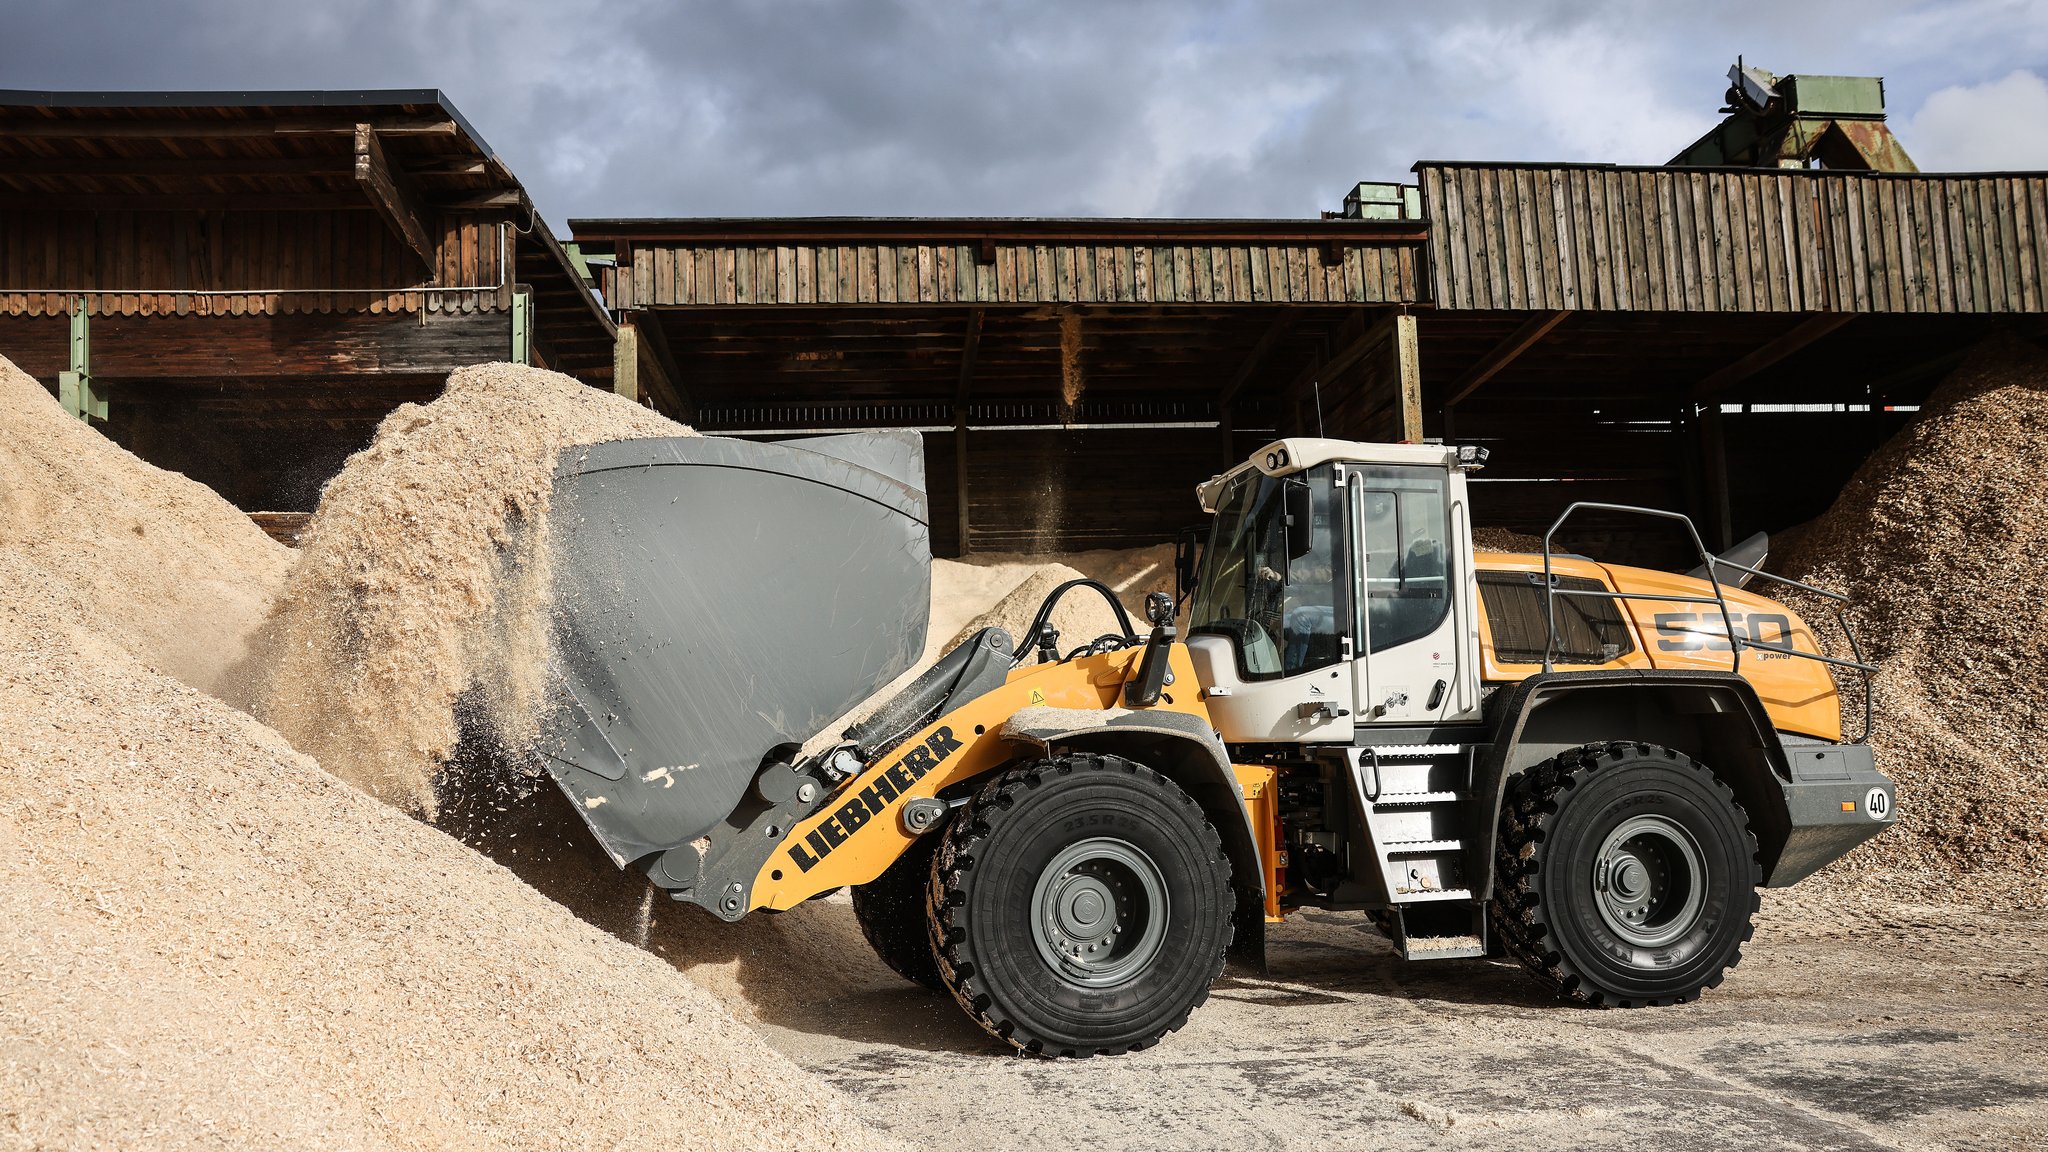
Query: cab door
column 1407, row 578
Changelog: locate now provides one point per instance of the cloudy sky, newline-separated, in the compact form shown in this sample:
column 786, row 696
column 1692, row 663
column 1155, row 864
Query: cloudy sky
column 1057, row 107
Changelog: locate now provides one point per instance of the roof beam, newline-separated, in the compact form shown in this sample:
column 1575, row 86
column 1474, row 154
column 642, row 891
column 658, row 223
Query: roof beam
column 975, row 232
column 1530, row 334
column 392, row 195
column 1799, row 337
column 176, row 202
column 504, row 198
column 175, row 129
column 174, row 165
column 666, row 378
column 1372, row 333
column 968, row 352
column 1250, row 364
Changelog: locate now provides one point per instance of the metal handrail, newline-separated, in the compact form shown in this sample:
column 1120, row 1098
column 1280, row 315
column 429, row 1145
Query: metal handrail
column 1711, row 564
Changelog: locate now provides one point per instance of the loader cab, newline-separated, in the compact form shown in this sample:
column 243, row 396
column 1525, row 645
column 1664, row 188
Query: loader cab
column 1333, row 594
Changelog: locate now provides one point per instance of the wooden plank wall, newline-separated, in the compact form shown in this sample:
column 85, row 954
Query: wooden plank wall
column 1717, row 240
column 1042, row 491
column 1020, row 274
column 135, row 263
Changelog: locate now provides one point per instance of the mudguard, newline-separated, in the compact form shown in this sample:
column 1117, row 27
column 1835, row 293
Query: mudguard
column 1183, row 747
column 1795, row 804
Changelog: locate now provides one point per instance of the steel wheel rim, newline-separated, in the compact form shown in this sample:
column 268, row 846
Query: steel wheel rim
column 1649, row 881
column 1099, row 912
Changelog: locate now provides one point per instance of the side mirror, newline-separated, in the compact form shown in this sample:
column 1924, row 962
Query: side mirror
column 1187, row 555
column 1301, row 531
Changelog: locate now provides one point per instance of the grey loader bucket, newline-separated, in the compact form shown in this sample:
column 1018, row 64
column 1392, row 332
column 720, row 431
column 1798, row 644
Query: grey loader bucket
column 718, row 600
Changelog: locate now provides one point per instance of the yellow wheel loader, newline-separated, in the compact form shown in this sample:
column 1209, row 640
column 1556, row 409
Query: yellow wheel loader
column 1590, row 768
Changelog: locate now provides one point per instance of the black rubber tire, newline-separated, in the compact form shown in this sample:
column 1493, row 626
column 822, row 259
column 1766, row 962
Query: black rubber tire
column 982, row 889
column 894, row 911
column 1554, row 819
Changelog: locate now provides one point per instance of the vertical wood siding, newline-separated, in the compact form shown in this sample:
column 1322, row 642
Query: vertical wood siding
column 1713, row 240
column 818, row 273
column 157, row 263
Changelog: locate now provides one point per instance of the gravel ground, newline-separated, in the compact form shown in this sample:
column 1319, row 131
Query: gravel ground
column 1854, row 1021
column 1913, row 1027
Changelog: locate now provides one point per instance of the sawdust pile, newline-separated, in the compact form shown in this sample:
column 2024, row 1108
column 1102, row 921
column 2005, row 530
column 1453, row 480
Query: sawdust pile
column 213, row 943
column 1940, row 538
column 424, row 576
column 1505, row 540
column 180, row 577
column 1080, row 616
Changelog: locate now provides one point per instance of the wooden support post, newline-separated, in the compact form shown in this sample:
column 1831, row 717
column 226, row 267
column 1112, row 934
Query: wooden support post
column 968, row 352
column 392, row 196
column 960, row 483
column 1408, row 369
column 1720, row 531
column 626, row 363
column 1530, row 334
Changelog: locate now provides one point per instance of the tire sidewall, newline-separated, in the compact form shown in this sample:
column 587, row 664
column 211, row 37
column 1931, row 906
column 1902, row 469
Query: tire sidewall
column 1591, row 811
column 892, row 911
column 1104, row 798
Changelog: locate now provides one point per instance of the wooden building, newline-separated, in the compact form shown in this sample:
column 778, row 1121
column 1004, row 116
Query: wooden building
column 1732, row 341
column 1093, row 370
column 241, row 285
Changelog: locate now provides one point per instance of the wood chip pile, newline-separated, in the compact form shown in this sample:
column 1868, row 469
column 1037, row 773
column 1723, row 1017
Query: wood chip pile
column 1941, row 538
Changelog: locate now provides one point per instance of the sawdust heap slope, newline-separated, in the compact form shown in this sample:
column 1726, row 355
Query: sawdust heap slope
column 1081, row 615
column 425, row 576
column 161, row 562
column 214, row 943
column 1941, row 537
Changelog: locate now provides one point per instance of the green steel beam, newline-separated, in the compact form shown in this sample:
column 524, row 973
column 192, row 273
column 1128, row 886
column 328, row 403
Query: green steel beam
column 522, row 327
column 75, row 387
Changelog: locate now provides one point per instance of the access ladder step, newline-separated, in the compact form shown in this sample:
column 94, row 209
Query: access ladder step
column 1422, row 847
column 1442, row 947
column 1388, row 799
column 1406, row 896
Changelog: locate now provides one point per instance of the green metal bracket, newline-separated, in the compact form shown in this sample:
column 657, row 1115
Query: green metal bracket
column 522, row 327
column 574, row 252
column 75, row 388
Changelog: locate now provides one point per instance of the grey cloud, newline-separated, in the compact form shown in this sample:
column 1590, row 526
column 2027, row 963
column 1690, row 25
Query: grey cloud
column 1048, row 108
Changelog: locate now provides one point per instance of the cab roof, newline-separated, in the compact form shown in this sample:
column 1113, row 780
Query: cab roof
column 1299, row 453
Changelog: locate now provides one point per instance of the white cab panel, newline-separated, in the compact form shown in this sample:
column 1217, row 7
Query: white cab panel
column 1312, row 708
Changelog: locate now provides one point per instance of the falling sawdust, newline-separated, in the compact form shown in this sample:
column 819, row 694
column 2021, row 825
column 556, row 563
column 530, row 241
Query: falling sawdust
column 1073, row 381
column 424, row 579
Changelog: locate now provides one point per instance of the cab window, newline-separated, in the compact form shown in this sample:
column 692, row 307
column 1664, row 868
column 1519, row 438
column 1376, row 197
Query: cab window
column 1407, row 565
column 1273, row 575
